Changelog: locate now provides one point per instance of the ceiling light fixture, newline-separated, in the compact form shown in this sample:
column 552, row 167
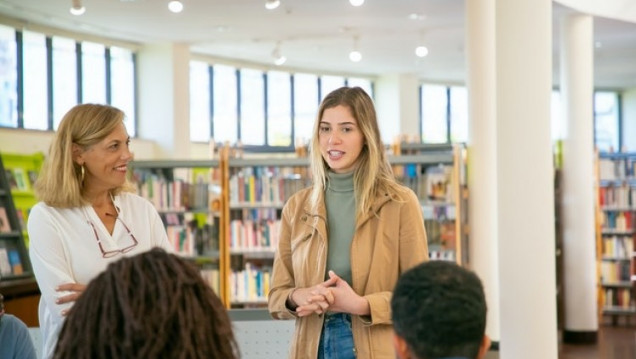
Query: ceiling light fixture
column 356, row 2
column 279, row 58
column 77, row 8
column 272, row 4
column 355, row 55
column 175, row 6
column 421, row 51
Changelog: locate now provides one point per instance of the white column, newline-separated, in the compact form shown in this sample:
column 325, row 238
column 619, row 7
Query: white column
column 482, row 153
column 164, row 111
column 577, row 203
column 525, row 201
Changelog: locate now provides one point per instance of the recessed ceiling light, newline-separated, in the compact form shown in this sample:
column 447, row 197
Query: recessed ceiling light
column 356, row 2
column 421, row 51
column 415, row 16
column 272, row 4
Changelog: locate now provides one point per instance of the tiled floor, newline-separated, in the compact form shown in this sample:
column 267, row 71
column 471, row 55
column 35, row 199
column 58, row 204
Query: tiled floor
column 614, row 342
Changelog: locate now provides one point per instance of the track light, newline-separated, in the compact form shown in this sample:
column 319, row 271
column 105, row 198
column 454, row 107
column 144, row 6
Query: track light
column 175, row 6
column 272, row 4
column 279, row 58
column 77, row 8
column 355, row 55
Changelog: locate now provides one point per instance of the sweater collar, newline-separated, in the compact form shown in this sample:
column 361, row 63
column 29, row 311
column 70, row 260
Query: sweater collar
column 340, row 182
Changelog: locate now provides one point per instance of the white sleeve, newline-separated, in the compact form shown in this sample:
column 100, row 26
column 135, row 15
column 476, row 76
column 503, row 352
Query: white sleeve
column 48, row 259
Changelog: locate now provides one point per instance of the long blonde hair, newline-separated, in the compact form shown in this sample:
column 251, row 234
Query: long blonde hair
column 59, row 183
column 373, row 173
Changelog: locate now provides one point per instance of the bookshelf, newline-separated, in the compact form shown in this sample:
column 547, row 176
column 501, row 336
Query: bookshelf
column 187, row 195
column 616, row 233
column 249, row 194
column 21, row 171
column 14, row 258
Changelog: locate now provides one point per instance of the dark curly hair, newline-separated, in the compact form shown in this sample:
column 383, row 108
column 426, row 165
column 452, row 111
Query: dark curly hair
column 152, row 305
column 439, row 309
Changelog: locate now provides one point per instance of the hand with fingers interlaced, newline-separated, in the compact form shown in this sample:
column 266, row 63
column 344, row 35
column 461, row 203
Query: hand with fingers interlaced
column 334, row 295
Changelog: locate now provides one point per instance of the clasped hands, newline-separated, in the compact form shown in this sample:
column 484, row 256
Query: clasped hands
column 75, row 288
column 334, row 295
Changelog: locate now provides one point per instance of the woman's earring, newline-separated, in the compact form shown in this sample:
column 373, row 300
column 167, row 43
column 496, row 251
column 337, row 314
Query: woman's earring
column 82, row 173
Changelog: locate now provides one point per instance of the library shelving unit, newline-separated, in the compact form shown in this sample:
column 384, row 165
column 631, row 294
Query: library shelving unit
column 245, row 198
column 616, row 234
column 437, row 174
column 14, row 258
column 21, row 171
column 187, row 195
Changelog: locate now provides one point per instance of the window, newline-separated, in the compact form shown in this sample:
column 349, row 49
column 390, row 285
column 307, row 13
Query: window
column 305, row 105
column 199, row 102
column 252, row 107
column 279, row 122
column 122, row 81
column 330, row 83
column 606, row 121
column 225, row 104
column 64, row 77
column 8, row 78
column 35, row 75
column 93, row 73
column 459, row 114
column 434, row 109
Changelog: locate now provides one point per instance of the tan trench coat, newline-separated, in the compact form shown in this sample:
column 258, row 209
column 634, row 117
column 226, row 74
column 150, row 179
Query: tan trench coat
column 383, row 246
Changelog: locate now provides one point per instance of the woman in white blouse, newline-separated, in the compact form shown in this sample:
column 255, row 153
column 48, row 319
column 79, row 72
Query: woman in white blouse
column 86, row 217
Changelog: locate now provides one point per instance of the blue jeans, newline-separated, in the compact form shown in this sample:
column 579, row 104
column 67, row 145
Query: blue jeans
column 336, row 339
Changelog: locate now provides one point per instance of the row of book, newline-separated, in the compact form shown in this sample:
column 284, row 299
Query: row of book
column 192, row 240
column 618, row 220
column 177, row 195
column 250, row 284
column 434, row 184
column 19, row 180
column 621, row 196
column 615, row 272
column 5, row 224
column 619, row 297
column 276, row 190
column 211, row 276
column 10, row 262
column 250, row 235
column 441, row 255
column 618, row 247
column 617, row 168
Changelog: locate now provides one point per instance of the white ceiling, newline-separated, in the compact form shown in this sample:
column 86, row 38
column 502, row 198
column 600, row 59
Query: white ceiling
column 317, row 35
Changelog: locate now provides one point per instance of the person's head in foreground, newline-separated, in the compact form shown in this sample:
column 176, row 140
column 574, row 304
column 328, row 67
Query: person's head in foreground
column 152, row 305
column 439, row 311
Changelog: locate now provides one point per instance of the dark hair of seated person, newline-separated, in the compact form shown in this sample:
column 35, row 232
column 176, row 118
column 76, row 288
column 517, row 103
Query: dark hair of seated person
column 152, row 305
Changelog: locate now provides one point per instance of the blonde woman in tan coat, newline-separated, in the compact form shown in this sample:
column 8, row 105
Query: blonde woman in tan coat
column 345, row 241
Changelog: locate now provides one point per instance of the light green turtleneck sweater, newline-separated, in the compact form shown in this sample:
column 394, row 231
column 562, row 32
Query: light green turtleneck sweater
column 341, row 220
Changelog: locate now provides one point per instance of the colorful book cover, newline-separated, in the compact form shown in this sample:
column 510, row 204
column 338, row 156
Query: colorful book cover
column 5, row 226
column 15, row 262
column 5, row 267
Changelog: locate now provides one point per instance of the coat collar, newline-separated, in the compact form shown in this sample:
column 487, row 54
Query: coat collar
column 321, row 210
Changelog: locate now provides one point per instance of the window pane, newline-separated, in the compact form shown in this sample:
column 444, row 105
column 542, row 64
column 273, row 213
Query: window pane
column 225, row 104
column 278, row 109
column 330, row 83
column 434, row 103
column 8, row 78
column 365, row 84
column 199, row 102
column 606, row 120
column 35, row 98
column 305, row 105
column 122, row 81
column 64, row 78
column 557, row 120
column 93, row 73
column 459, row 114
column 252, row 107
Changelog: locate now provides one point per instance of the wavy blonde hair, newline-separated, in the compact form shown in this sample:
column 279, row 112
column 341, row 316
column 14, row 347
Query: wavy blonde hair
column 373, row 173
column 59, row 183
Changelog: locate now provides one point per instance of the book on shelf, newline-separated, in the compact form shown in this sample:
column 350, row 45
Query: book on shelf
column 20, row 179
column 5, row 225
column 5, row 266
column 15, row 262
column 13, row 185
column 33, row 176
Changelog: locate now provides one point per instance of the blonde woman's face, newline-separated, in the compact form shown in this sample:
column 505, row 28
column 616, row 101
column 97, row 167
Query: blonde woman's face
column 106, row 162
column 341, row 140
